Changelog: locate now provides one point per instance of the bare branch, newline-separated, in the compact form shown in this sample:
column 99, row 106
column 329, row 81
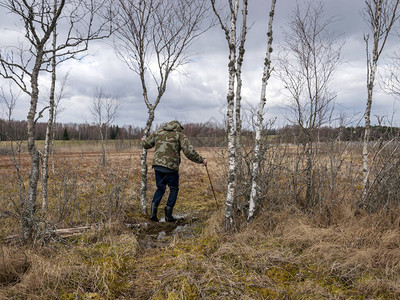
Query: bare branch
column 307, row 63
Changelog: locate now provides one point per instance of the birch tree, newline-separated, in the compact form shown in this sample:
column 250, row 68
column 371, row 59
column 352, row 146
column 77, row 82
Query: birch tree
column 24, row 63
column 233, row 96
column 260, row 113
column 104, row 111
column 152, row 39
column 307, row 62
column 380, row 16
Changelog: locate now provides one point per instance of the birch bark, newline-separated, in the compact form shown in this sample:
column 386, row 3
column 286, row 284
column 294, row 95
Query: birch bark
column 49, row 126
column 238, row 101
column 260, row 112
column 28, row 216
column 230, row 195
column 143, row 158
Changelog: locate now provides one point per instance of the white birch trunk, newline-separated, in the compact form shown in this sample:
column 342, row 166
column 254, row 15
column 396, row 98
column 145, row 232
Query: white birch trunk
column 144, row 168
column 28, row 211
column 371, row 72
column 259, row 123
column 372, row 67
column 230, row 194
column 49, row 127
column 238, row 109
column 365, row 153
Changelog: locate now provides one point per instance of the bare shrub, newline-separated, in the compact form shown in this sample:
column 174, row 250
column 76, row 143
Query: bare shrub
column 82, row 191
column 283, row 179
column 64, row 192
column 384, row 189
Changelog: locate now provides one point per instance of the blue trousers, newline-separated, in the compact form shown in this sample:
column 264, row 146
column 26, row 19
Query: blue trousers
column 162, row 180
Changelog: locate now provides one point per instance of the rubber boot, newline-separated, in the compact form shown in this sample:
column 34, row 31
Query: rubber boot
column 153, row 216
column 168, row 214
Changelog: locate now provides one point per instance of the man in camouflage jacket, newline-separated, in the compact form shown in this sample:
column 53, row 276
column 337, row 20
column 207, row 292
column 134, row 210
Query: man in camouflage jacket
column 168, row 142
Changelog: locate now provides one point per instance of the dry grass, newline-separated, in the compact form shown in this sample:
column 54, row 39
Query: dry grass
column 283, row 254
column 95, row 265
column 278, row 256
column 79, row 146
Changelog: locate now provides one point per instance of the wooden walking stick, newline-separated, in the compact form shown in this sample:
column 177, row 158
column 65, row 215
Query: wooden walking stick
column 212, row 188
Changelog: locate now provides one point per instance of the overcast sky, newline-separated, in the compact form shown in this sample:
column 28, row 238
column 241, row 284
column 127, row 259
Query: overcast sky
column 201, row 96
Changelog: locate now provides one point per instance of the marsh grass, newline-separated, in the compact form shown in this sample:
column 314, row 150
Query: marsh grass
column 94, row 265
column 279, row 256
column 335, row 252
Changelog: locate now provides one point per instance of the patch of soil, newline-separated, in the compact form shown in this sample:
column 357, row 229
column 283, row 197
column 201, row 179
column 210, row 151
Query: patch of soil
column 159, row 234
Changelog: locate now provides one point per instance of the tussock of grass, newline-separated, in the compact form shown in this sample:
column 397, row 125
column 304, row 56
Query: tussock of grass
column 96, row 266
column 13, row 265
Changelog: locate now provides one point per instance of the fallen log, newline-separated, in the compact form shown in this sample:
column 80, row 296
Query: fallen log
column 63, row 232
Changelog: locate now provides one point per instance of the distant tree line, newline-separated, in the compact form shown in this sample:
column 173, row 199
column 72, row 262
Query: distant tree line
column 16, row 130
column 295, row 134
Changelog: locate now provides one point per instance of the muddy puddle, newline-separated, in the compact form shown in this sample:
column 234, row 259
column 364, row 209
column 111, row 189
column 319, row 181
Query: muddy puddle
column 158, row 234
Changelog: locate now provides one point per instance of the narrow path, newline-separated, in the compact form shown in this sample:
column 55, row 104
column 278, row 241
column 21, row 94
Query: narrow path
column 158, row 234
column 156, row 241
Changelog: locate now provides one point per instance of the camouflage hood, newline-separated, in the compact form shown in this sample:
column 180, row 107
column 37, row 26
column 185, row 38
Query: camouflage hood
column 173, row 126
column 168, row 142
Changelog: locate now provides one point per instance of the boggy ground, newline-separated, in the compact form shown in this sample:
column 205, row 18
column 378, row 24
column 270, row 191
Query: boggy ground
column 279, row 256
column 282, row 254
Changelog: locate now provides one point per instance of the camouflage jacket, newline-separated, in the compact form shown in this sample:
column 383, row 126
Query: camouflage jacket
column 168, row 142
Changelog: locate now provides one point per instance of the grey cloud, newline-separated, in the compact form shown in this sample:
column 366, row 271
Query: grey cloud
column 202, row 95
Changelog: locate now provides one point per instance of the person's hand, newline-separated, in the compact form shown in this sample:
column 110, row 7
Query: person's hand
column 205, row 162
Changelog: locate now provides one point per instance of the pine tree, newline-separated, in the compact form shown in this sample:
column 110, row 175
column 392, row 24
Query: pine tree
column 65, row 135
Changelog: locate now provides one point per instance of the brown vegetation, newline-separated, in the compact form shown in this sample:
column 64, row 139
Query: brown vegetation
column 332, row 252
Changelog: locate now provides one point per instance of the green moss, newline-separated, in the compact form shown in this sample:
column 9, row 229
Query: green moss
column 179, row 288
column 93, row 296
column 265, row 293
column 183, row 288
column 281, row 275
column 67, row 296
